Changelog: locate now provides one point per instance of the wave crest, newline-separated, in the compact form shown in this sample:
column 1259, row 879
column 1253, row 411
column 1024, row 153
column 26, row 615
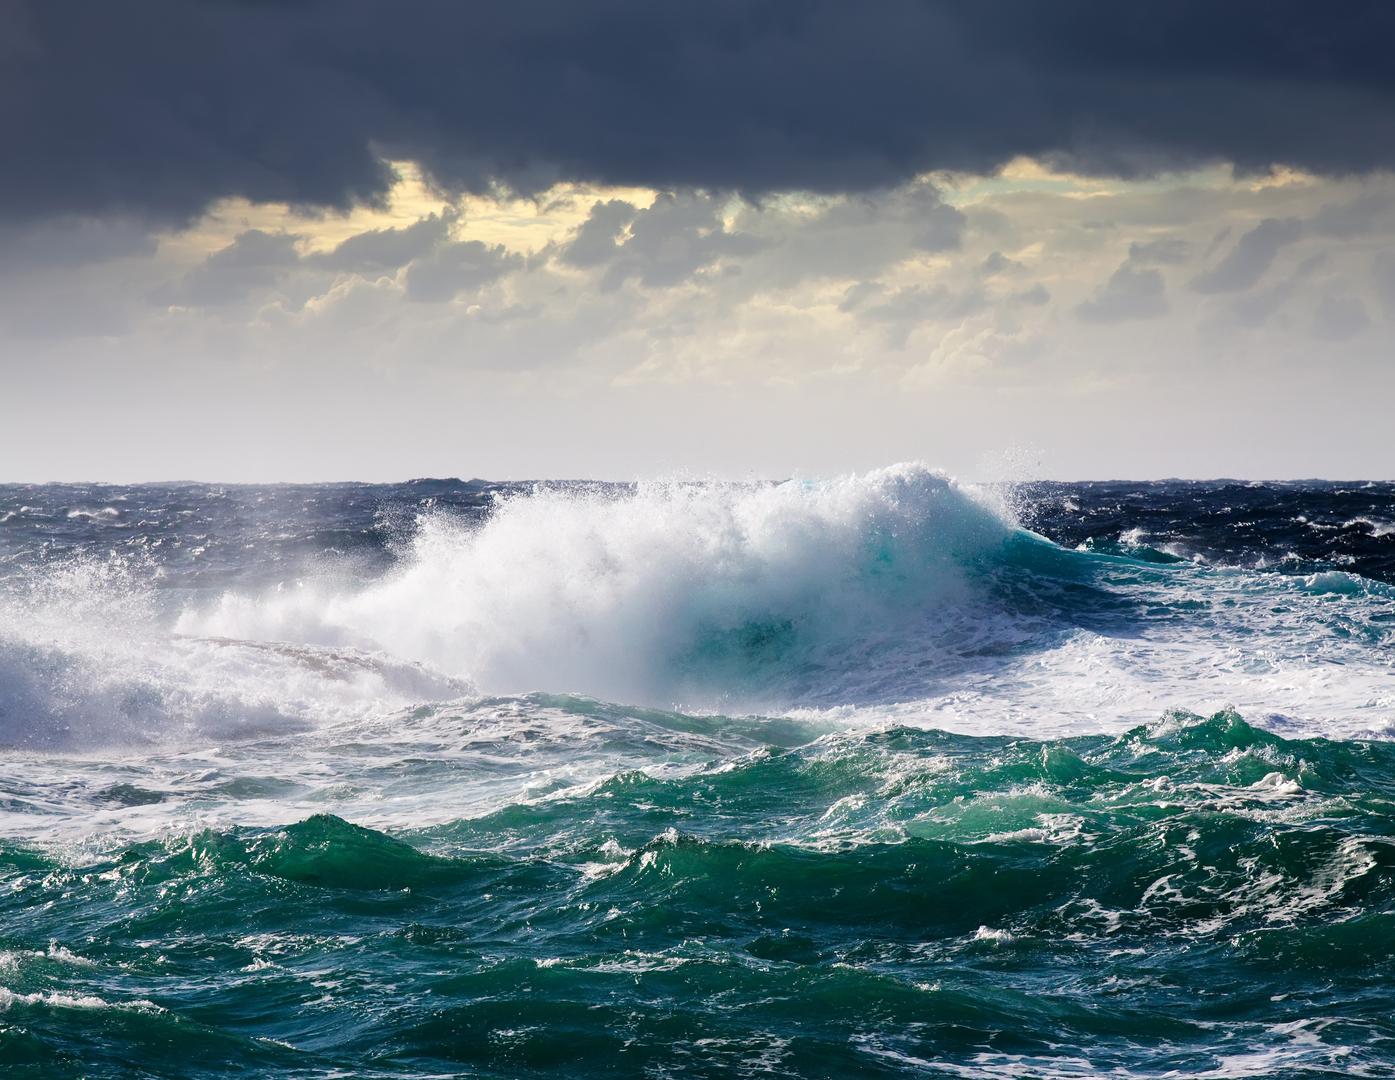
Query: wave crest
column 662, row 593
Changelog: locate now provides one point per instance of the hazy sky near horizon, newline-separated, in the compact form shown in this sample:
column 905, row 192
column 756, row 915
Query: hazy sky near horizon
column 306, row 240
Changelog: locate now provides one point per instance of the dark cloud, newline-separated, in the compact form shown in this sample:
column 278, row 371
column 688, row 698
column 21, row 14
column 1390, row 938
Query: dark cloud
column 1252, row 255
column 157, row 107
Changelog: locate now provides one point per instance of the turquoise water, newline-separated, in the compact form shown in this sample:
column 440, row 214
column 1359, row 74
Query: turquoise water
column 1197, row 896
column 953, row 803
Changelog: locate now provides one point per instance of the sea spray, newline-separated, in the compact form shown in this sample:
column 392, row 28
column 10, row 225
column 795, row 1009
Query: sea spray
column 662, row 593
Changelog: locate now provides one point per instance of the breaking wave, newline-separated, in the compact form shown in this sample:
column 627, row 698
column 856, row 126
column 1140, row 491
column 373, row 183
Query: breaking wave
column 896, row 590
column 671, row 592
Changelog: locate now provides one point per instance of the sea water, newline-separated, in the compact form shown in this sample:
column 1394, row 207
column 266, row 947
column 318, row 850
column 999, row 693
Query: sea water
column 881, row 775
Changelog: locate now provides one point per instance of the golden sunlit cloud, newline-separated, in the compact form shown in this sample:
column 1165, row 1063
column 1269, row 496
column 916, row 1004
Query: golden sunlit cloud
column 521, row 225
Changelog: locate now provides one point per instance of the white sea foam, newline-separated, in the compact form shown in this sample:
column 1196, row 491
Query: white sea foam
column 1374, row 526
column 671, row 593
column 86, row 658
column 55, row 1000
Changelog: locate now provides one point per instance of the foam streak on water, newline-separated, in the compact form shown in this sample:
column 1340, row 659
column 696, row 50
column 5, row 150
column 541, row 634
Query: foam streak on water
column 882, row 775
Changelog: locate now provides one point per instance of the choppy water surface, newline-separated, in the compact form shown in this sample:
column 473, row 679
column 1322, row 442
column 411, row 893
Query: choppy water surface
column 876, row 776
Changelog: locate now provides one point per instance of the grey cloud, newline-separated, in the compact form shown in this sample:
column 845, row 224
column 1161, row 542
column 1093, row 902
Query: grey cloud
column 996, row 263
column 1357, row 217
column 386, row 250
column 1218, row 241
column 1168, row 250
column 858, row 295
column 254, row 260
column 1252, row 255
column 667, row 243
column 258, row 260
column 900, row 311
column 1257, row 308
column 1130, row 293
column 918, row 210
column 454, row 269
column 87, row 306
column 71, row 242
column 598, row 239
column 1383, row 275
column 155, row 108
column 856, row 237
column 1339, row 316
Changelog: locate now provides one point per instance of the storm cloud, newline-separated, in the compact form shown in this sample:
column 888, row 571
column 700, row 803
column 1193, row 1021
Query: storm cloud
column 157, row 108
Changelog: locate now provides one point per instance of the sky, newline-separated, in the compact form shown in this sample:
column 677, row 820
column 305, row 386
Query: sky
column 267, row 240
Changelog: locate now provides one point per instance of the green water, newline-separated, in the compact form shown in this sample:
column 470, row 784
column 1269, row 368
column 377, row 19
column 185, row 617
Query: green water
column 1194, row 898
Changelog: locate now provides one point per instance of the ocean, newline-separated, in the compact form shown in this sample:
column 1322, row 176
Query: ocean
column 885, row 775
